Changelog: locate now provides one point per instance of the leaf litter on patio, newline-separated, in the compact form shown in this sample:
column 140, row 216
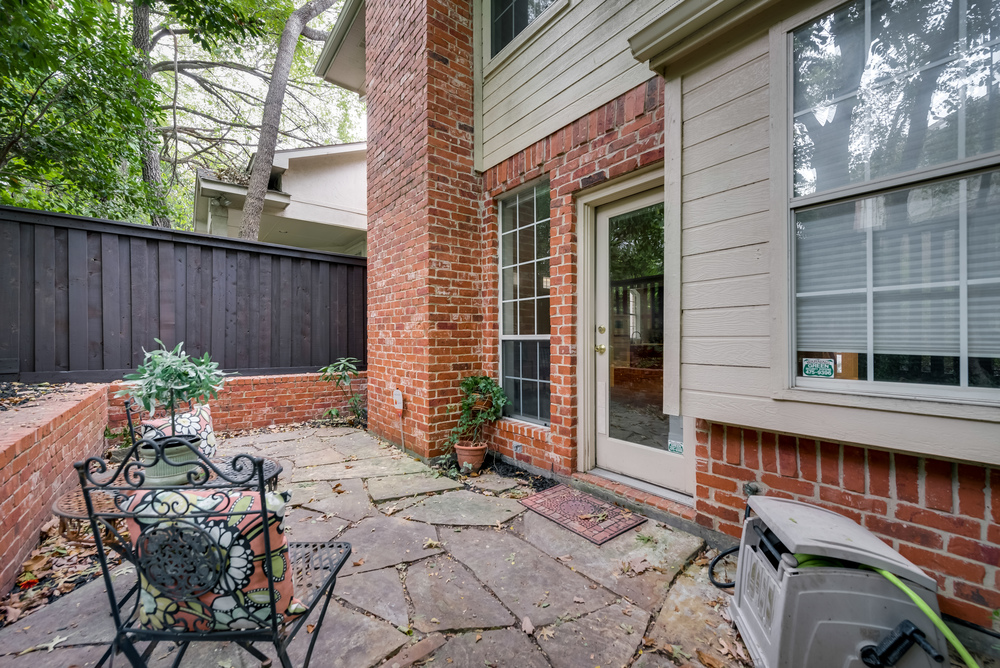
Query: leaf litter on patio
column 53, row 569
column 18, row 395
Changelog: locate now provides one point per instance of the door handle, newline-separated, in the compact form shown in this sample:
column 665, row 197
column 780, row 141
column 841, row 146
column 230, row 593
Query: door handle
column 601, row 348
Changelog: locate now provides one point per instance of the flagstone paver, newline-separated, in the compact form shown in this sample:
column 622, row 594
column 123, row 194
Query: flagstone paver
column 364, row 468
column 304, row 492
column 493, row 482
column 665, row 554
column 379, row 592
column 416, row 652
column 386, row 541
column 294, row 448
column 347, row 639
column 291, row 435
column 504, row 648
column 528, row 581
column 399, row 486
column 607, row 637
column 447, row 597
column 84, row 655
column 330, row 432
column 362, row 446
column 318, row 458
column 465, row 508
column 351, row 503
column 303, row 526
column 82, row 617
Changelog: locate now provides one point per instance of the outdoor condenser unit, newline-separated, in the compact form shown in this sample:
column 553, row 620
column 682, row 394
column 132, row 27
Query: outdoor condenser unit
column 806, row 597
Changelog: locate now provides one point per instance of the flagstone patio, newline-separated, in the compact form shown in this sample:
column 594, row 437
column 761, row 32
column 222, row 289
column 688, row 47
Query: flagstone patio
column 447, row 572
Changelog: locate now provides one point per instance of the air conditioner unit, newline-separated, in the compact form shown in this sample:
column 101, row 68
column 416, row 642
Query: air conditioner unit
column 806, row 595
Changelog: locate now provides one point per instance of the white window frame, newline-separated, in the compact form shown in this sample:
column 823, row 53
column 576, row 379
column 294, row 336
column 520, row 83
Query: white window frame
column 948, row 401
column 530, row 186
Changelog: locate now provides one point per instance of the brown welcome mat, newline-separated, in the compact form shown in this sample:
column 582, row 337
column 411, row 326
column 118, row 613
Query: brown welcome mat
column 581, row 513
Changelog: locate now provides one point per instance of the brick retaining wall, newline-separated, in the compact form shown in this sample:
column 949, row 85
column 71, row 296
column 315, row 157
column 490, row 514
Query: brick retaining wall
column 248, row 402
column 38, row 446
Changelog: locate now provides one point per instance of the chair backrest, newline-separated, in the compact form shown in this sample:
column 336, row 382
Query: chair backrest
column 191, row 545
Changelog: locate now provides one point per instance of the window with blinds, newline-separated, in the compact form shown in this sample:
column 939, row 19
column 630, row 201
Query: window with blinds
column 896, row 196
column 524, row 303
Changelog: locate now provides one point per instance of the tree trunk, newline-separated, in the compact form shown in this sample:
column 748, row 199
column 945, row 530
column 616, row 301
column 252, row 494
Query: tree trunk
column 151, row 174
column 261, row 173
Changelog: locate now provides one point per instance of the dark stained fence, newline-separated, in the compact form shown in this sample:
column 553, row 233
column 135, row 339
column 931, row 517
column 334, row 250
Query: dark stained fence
column 81, row 298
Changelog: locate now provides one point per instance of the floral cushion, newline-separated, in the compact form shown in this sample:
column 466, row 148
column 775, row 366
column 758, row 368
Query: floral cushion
column 239, row 598
column 196, row 422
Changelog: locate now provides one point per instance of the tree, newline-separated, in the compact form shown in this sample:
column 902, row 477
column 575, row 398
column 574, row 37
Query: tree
column 259, row 176
column 71, row 110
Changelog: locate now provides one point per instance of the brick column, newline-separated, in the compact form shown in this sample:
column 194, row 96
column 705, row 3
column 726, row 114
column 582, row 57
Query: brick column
column 425, row 234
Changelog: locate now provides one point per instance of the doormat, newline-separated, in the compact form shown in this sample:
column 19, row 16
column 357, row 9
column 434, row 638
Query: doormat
column 581, row 513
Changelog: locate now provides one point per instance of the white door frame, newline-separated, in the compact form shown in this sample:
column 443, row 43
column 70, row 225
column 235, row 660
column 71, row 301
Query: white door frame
column 586, row 232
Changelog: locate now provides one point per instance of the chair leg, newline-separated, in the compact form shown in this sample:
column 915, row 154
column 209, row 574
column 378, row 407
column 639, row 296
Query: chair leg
column 283, row 655
column 130, row 652
column 319, row 625
column 180, row 654
column 256, row 653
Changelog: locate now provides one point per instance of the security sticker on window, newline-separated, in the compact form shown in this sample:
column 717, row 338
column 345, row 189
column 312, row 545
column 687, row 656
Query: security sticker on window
column 817, row 367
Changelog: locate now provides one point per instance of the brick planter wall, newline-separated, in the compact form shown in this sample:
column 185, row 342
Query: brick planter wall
column 943, row 516
column 38, row 446
column 617, row 138
column 248, row 402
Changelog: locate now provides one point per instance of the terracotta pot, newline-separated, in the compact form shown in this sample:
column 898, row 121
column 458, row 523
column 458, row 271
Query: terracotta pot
column 471, row 454
column 483, row 404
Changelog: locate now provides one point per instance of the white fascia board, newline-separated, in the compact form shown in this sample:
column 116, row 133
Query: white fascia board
column 213, row 188
column 683, row 20
column 282, row 157
column 336, row 42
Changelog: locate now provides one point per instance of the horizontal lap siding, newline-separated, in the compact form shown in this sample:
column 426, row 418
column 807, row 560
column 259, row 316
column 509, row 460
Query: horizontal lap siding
column 725, row 202
column 576, row 63
column 82, row 298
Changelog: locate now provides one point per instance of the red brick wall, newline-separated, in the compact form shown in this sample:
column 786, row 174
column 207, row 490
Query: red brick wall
column 943, row 516
column 425, row 235
column 618, row 137
column 248, row 402
column 38, row 446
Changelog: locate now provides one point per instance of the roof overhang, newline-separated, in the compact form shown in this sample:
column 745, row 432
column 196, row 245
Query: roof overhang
column 687, row 26
column 342, row 60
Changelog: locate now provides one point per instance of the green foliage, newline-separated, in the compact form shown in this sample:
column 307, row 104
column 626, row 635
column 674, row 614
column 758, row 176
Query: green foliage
column 72, row 110
column 341, row 373
column 482, row 403
column 168, row 376
column 220, row 21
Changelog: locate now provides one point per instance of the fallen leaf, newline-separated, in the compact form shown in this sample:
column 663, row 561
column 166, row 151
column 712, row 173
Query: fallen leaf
column 648, row 642
column 431, row 544
column 48, row 646
column 709, row 660
column 565, row 557
column 434, row 620
column 338, row 489
column 225, row 663
column 527, row 626
column 359, row 562
column 310, row 628
column 479, row 636
column 545, row 634
column 577, row 599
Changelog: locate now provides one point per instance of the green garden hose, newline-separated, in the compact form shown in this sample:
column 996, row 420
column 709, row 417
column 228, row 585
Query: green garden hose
column 926, row 609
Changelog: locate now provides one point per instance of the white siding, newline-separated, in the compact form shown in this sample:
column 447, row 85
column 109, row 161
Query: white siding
column 572, row 65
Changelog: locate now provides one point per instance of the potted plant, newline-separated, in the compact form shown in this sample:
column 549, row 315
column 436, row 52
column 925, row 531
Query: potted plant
column 482, row 403
column 165, row 378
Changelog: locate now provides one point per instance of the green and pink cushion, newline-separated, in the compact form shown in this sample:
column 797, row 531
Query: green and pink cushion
column 235, row 598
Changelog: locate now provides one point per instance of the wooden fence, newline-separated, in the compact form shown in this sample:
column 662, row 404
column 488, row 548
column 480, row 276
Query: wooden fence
column 81, row 298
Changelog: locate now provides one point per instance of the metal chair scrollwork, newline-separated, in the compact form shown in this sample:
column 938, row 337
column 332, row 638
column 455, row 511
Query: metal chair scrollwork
column 210, row 556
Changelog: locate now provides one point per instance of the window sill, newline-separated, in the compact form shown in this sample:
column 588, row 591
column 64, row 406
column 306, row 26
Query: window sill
column 534, row 30
column 962, row 409
column 512, row 425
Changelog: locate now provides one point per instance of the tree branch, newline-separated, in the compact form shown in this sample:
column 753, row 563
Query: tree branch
column 315, row 35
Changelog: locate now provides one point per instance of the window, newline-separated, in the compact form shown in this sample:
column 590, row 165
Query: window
column 510, row 17
column 524, row 299
column 895, row 198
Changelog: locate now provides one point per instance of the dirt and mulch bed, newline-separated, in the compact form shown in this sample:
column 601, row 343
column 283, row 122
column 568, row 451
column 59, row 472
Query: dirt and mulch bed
column 22, row 395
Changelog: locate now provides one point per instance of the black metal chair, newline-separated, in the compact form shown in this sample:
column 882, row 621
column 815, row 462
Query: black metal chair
column 195, row 545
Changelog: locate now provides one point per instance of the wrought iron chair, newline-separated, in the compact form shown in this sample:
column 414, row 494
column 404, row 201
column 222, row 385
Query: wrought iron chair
column 202, row 553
